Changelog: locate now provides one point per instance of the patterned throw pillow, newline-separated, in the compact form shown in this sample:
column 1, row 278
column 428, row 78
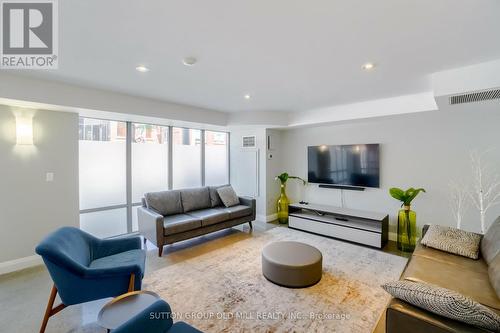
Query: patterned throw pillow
column 228, row 196
column 444, row 302
column 452, row 240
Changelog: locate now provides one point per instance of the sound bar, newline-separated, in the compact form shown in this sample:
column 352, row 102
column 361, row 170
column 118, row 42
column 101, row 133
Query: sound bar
column 342, row 187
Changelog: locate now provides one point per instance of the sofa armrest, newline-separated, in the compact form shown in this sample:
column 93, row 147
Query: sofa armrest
column 150, row 225
column 250, row 202
column 108, row 247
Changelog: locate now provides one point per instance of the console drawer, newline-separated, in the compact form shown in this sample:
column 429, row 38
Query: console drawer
column 351, row 234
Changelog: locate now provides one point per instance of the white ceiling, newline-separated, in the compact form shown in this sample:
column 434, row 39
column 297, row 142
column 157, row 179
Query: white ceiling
column 289, row 55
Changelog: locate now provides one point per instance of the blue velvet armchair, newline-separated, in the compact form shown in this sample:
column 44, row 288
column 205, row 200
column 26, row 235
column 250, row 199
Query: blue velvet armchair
column 157, row 318
column 85, row 268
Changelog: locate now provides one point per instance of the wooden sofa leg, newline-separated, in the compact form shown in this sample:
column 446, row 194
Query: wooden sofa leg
column 49, row 311
column 160, row 250
column 131, row 284
column 250, row 223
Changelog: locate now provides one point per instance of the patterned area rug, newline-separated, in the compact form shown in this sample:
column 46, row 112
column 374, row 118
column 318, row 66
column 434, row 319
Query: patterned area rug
column 224, row 290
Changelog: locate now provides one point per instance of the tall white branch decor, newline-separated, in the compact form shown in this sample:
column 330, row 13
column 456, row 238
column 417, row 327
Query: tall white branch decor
column 486, row 187
column 458, row 201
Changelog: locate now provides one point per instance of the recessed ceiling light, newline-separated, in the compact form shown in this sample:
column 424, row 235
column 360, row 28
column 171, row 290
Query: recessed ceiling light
column 368, row 66
column 189, row 61
column 142, row 69
column 247, row 96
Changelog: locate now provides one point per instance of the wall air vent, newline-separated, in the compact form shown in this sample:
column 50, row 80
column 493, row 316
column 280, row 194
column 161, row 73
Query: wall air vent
column 477, row 96
column 248, row 141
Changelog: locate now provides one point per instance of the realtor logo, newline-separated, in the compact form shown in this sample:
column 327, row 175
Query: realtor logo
column 29, row 34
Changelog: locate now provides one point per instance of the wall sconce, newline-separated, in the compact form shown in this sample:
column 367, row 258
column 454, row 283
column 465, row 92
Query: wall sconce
column 24, row 130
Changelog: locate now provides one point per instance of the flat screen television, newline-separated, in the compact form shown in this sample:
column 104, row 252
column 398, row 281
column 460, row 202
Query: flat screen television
column 346, row 165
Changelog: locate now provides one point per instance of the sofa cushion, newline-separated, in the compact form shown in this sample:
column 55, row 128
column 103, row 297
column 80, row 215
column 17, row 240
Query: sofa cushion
column 179, row 223
column 131, row 257
column 494, row 274
column 195, row 198
column 210, row 216
column 444, row 302
column 452, row 240
column 238, row 211
column 228, row 197
column 466, row 276
column 214, row 196
column 490, row 245
column 164, row 202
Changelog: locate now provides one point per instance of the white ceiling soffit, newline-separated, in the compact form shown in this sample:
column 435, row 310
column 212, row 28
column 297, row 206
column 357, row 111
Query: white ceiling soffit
column 463, row 80
column 375, row 108
column 60, row 96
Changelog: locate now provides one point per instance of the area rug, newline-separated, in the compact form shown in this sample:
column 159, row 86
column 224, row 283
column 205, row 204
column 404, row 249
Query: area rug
column 224, row 290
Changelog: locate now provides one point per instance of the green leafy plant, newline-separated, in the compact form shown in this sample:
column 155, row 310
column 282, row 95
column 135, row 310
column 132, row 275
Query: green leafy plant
column 406, row 197
column 283, row 178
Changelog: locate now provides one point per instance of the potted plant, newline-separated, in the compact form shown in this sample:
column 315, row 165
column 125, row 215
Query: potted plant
column 407, row 218
column 283, row 199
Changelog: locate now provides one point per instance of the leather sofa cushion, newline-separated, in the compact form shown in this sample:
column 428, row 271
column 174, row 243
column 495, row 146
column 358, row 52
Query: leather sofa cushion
column 210, row 216
column 179, row 223
column 164, row 202
column 494, row 274
column 238, row 211
column 195, row 198
column 467, row 278
column 215, row 200
column 490, row 244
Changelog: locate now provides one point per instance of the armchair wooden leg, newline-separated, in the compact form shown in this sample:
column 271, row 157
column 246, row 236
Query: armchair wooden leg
column 49, row 311
column 160, row 250
column 131, row 284
column 250, row 223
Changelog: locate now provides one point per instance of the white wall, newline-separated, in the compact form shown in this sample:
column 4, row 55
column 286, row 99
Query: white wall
column 421, row 150
column 30, row 207
column 236, row 160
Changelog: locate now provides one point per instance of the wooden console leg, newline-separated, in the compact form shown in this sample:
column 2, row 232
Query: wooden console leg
column 160, row 250
column 131, row 284
column 49, row 311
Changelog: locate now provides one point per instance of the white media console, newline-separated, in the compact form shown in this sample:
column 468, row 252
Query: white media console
column 357, row 226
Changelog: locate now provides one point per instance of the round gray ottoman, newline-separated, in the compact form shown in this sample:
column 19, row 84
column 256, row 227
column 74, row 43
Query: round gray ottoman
column 292, row 264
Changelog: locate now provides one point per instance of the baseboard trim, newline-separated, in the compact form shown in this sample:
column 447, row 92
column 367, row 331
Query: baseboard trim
column 18, row 264
column 267, row 218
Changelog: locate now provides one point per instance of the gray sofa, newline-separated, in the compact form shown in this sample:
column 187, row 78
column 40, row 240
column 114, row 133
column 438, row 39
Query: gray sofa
column 171, row 216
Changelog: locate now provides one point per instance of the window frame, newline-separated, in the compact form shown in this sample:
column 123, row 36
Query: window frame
column 128, row 167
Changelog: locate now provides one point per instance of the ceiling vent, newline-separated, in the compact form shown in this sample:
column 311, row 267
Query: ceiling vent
column 478, row 96
column 248, row 141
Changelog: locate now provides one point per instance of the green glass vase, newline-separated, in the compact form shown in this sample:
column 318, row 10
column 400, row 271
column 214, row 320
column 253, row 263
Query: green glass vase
column 407, row 229
column 283, row 205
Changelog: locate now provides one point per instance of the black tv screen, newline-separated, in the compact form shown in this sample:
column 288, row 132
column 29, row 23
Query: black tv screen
column 349, row 165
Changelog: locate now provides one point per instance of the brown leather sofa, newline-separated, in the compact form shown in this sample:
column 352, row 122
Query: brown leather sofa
column 466, row 276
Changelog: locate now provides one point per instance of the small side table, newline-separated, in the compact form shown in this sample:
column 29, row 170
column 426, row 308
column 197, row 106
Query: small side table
column 120, row 309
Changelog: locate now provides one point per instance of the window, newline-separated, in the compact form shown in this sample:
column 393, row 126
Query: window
column 216, row 158
column 102, row 164
column 120, row 161
column 186, row 157
column 149, row 159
